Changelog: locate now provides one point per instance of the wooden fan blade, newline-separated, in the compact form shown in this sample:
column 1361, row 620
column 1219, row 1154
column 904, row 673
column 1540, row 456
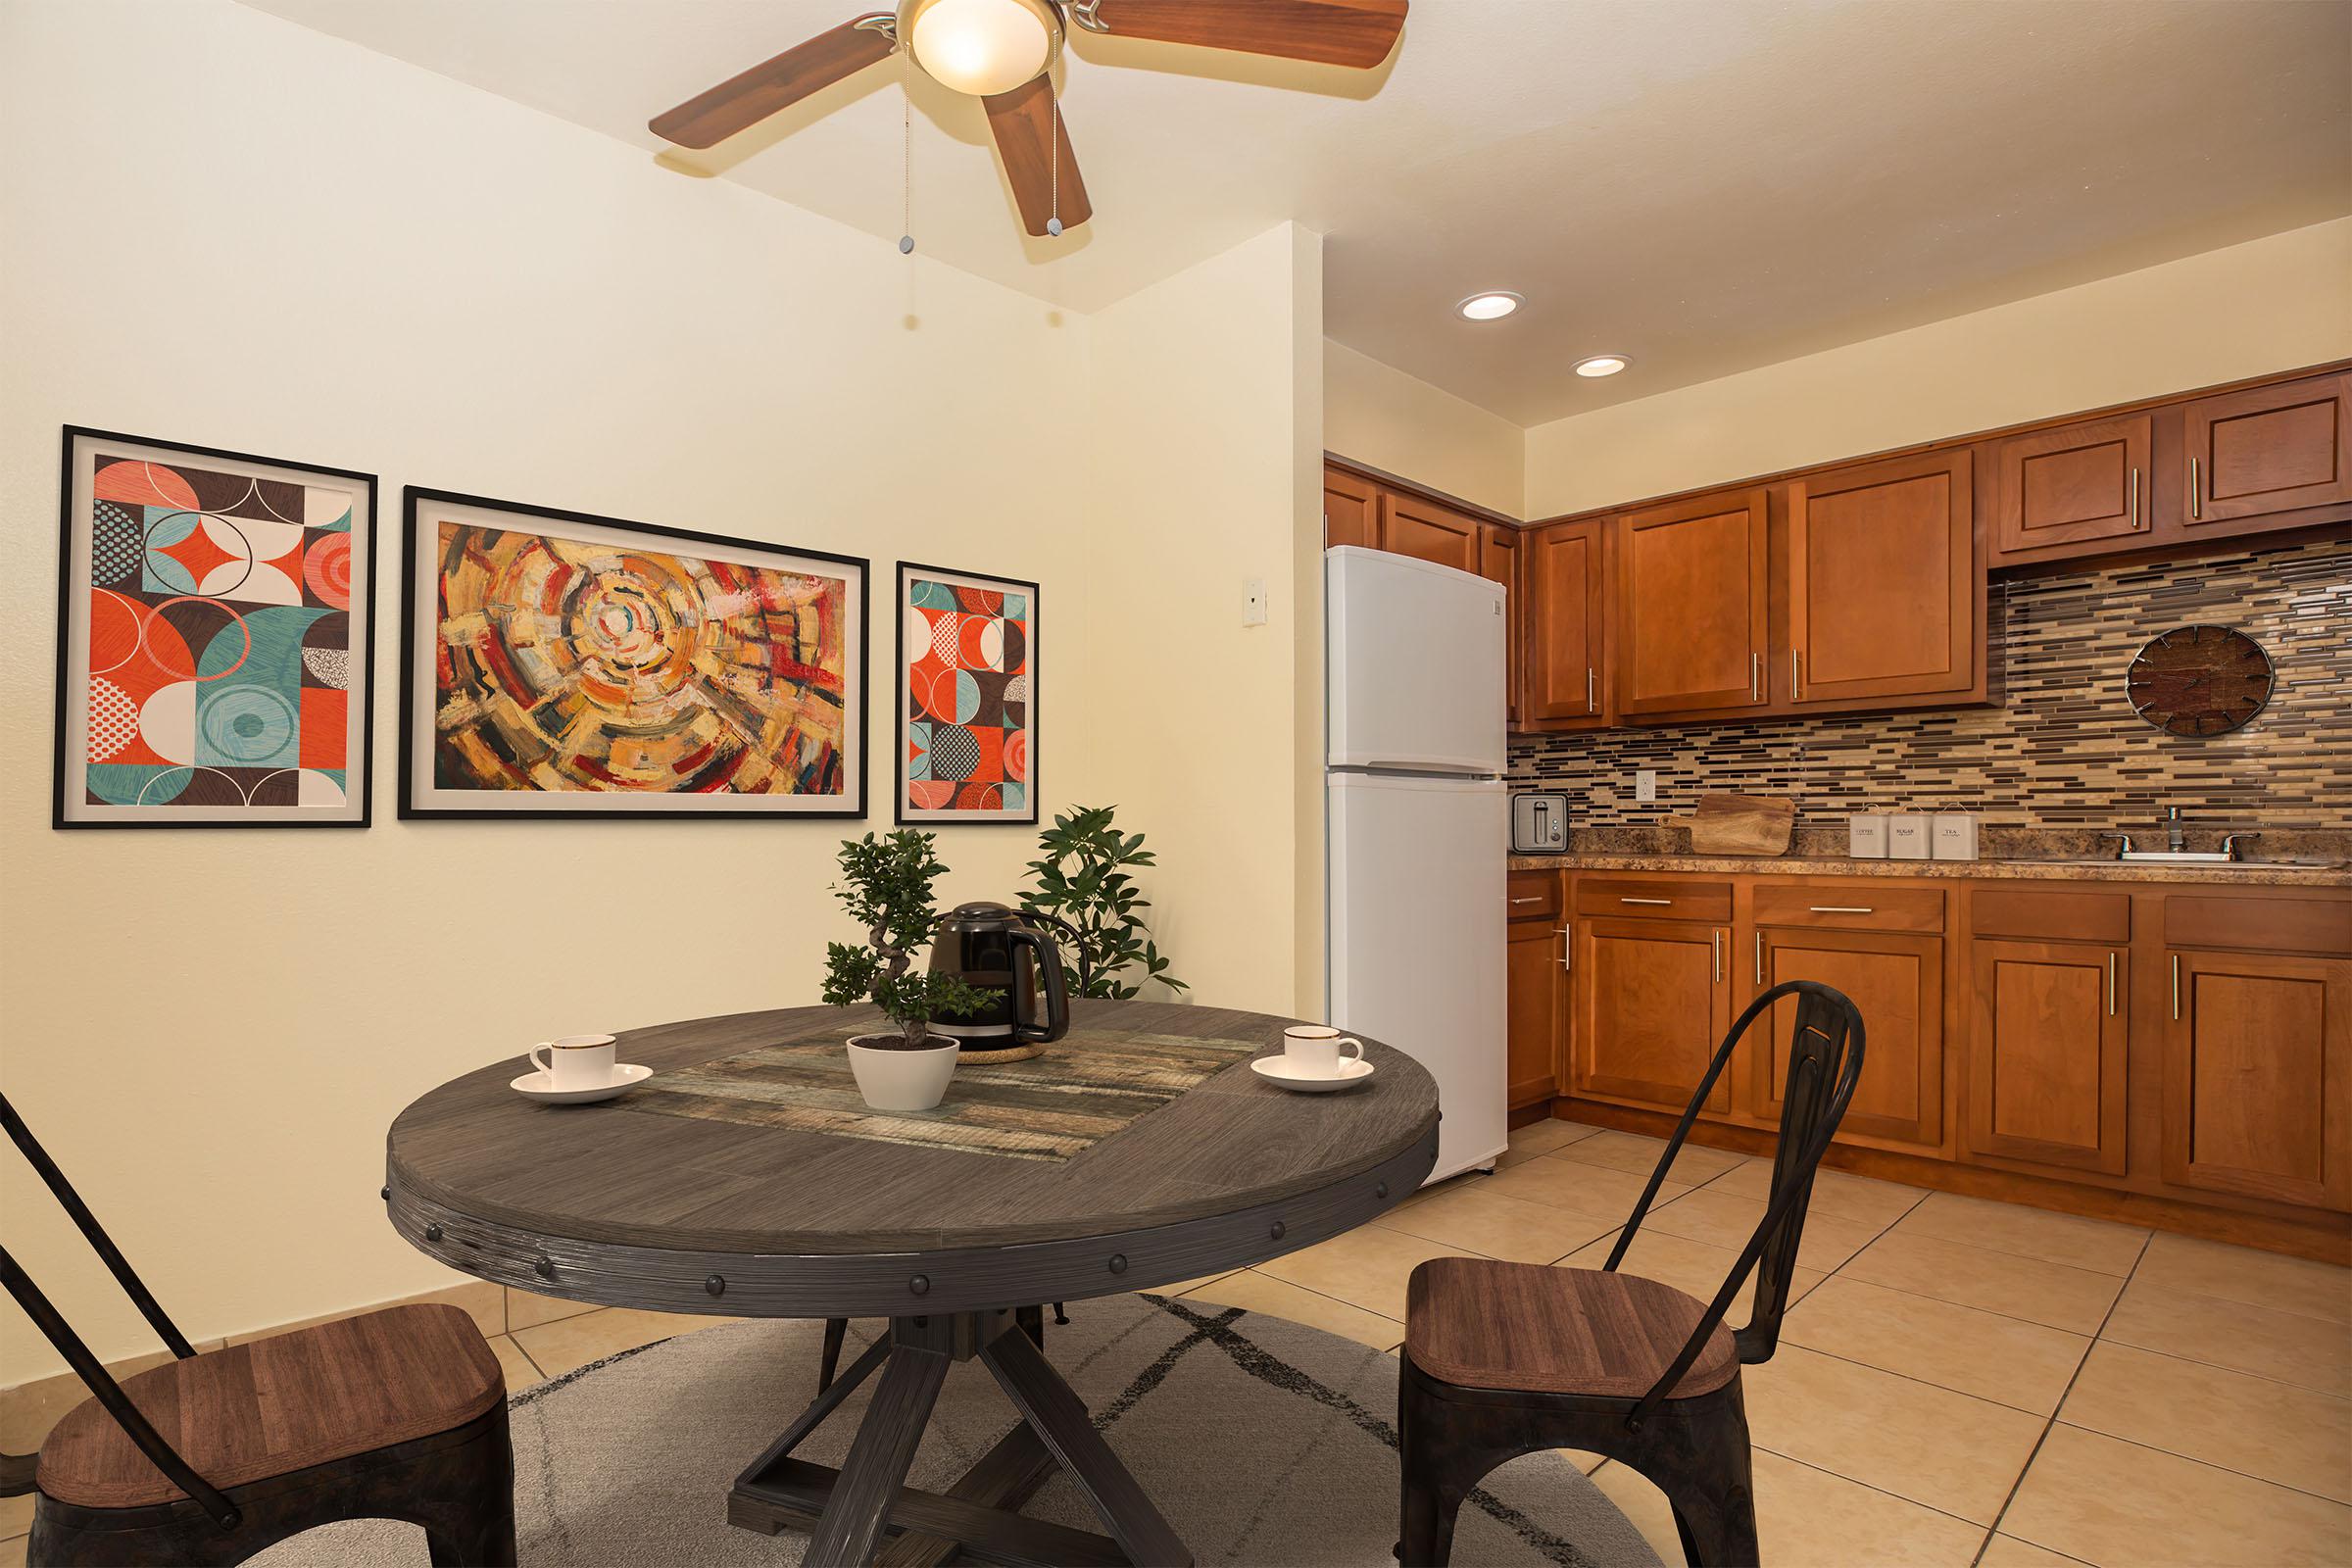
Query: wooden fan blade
column 740, row 102
column 1025, row 127
column 1331, row 33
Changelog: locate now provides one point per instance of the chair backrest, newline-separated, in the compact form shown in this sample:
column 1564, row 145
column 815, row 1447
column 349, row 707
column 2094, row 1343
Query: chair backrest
column 1825, row 1063
column 17, row 1470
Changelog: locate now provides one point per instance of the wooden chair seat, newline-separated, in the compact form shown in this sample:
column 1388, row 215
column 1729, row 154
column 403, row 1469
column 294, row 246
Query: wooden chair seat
column 1481, row 1324
column 273, row 1407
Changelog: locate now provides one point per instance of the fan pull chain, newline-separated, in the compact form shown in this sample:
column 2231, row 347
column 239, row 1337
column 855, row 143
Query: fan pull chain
column 1054, row 221
column 905, row 178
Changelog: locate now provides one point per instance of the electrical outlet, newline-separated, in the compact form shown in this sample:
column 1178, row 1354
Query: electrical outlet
column 1253, row 601
column 1645, row 784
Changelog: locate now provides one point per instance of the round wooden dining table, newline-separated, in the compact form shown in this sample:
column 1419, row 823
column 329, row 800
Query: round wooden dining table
column 738, row 1181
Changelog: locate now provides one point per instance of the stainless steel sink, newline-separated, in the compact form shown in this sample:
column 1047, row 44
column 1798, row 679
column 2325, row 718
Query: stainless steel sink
column 2202, row 863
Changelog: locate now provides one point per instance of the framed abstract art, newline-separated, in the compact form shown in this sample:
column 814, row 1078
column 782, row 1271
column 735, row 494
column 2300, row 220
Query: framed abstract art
column 213, row 634
column 967, row 697
column 559, row 664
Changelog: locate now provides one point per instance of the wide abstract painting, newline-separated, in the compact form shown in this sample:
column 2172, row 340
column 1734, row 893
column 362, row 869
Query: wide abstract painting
column 967, row 697
column 214, row 631
column 560, row 664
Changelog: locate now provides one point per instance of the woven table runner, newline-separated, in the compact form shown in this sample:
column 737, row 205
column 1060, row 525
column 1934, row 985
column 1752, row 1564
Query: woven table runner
column 1087, row 1086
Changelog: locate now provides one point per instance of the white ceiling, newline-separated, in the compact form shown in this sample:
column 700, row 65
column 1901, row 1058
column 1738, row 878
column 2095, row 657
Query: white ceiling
column 1706, row 185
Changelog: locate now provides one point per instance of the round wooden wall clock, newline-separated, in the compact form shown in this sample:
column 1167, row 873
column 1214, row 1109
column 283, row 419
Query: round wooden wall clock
column 2199, row 680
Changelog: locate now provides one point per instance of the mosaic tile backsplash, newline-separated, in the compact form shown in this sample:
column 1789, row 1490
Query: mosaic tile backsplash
column 2064, row 749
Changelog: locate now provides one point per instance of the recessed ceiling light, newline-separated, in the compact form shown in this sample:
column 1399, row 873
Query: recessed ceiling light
column 1602, row 364
column 1490, row 307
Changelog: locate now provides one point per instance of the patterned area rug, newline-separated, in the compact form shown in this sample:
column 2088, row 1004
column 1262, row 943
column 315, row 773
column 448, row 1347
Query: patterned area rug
column 1264, row 1442
column 1087, row 1086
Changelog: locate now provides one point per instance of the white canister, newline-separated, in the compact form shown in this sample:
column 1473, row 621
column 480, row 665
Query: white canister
column 1908, row 836
column 1955, row 835
column 1866, row 836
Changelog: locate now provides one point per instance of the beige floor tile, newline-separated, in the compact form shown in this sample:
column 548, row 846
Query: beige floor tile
column 2070, row 1239
column 1182, row 1285
column 1366, row 1268
column 561, row 1346
column 1693, row 1268
column 1950, row 1451
column 2308, row 1351
column 520, row 1370
column 2198, row 1267
column 1542, row 1137
column 528, row 1309
column 2007, row 1552
column 1810, row 1516
column 2005, row 1359
column 15, row 1516
column 1834, row 1192
column 11, row 1552
column 1633, row 1152
column 29, row 1409
column 2072, row 1299
column 1726, row 1221
column 1572, row 1184
column 2266, row 1429
column 2121, row 1505
column 1253, row 1292
column 1494, row 1226
column 1646, row 1507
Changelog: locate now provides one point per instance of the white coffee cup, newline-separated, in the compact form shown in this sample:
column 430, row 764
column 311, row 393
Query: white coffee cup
column 1313, row 1050
column 575, row 1061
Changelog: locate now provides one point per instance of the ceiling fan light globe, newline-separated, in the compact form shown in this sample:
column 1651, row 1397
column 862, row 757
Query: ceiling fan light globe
column 981, row 47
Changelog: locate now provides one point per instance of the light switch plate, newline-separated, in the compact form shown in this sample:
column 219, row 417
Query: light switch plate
column 1645, row 784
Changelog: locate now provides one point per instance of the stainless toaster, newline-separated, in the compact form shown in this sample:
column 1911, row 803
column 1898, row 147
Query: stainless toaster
column 1540, row 822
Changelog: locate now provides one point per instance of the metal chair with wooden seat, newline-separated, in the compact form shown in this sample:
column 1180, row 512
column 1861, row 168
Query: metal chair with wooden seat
column 208, row 1459
column 1502, row 1359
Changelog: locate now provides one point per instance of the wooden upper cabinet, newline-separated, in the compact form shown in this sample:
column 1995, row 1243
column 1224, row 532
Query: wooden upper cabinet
column 1427, row 532
column 2269, row 449
column 2048, row 1051
column 1567, row 685
column 2076, row 483
column 2258, row 1076
column 1886, row 597
column 1499, row 553
column 1691, row 602
column 1350, row 508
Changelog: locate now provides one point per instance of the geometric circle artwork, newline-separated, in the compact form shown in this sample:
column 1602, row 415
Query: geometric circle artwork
column 213, row 638
column 967, row 722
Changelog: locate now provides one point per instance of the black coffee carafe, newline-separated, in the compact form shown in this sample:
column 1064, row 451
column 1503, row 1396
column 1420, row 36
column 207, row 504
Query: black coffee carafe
column 1007, row 954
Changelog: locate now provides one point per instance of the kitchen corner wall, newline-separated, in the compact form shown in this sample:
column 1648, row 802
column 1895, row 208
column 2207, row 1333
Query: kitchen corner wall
column 1376, row 414
column 2064, row 747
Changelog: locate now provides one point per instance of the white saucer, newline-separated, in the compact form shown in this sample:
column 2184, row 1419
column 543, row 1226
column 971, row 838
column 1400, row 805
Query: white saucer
column 626, row 1077
column 1278, row 1070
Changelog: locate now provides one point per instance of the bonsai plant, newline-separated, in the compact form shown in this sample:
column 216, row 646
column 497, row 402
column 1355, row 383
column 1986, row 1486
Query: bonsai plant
column 1082, row 880
column 886, row 886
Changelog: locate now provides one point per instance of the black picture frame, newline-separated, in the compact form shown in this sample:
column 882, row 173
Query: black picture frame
column 357, row 774
column 900, row 701
column 854, row 768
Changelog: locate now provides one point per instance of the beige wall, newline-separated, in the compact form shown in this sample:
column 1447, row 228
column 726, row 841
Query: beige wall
column 1402, row 425
column 310, row 251
column 1207, row 441
column 2268, row 305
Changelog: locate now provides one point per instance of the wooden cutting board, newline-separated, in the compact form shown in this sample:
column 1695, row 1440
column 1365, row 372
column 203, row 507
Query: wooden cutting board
column 1740, row 825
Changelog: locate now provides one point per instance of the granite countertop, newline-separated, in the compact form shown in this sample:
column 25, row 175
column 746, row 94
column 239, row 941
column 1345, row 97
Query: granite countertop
column 2045, row 870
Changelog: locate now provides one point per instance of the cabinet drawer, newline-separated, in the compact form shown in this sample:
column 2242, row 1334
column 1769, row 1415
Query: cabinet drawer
column 1654, row 901
column 1849, row 906
column 1534, row 894
column 2259, row 923
column 2040, row 914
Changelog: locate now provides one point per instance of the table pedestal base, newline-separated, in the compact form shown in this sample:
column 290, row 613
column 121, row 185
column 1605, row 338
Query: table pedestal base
column 853, row 1509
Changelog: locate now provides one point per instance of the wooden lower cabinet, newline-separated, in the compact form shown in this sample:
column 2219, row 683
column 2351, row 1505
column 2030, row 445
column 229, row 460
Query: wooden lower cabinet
column 1651, row 1002
column 1897, row 979
column 2258, row 1076
column 2048, row 1053
column 1538, row 1012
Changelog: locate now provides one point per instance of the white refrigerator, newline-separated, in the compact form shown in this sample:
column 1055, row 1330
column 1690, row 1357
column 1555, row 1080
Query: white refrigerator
column 1417, row 830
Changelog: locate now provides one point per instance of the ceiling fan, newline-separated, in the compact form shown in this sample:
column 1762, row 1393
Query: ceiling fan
column 1000, row 52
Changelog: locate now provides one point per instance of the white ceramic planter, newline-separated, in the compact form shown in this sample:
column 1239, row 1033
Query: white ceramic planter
column 902, row 1080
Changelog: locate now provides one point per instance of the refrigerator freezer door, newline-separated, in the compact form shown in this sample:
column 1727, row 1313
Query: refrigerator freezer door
column 1416, row 665
column 1417, row 938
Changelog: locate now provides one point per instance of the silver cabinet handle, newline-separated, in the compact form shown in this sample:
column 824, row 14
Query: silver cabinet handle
column 1533, row 898
column 1567, row 947
column 1797, row 688
column 1759, row 957
column 1756, row 678
column 1719, row 956
column 2132, row 510
column 2195, row 495
column 2175, row 985
column 2110, row 985
column 1592, row 691
column 1842, row 909
column 1645, row 901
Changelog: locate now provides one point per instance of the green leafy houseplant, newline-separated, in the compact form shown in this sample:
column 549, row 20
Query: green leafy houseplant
column 886, row 886
column 1082, row 879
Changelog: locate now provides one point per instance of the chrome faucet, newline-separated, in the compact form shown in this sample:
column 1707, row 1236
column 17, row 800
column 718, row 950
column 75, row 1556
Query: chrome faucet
column 2175, row 838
